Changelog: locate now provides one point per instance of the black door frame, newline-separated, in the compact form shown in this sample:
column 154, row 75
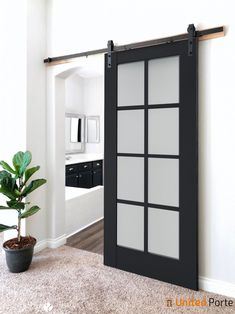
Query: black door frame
column 184, row 271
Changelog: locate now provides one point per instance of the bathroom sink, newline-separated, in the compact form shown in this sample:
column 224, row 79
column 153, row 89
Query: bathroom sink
column 79, row 158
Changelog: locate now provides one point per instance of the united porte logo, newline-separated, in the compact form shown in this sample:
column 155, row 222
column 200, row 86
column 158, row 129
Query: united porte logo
column 198, row 302
column 169, row 302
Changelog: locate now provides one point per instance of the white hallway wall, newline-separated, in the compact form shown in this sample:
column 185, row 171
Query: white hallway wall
column 12, row 89
column 22, row 95
column 36, row 127
column 130, row 21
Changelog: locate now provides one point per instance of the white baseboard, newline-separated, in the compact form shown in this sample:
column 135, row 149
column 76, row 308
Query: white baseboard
column 86, row 226
column 50, row 243
column 217, row 286
column 41, row 245
column 54, row 243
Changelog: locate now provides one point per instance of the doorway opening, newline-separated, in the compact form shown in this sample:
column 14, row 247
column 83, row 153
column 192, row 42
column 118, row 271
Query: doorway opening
column 81, row 98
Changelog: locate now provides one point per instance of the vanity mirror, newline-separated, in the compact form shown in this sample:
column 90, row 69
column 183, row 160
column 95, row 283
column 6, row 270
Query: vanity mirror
column 75, row 132
column 80, row 129
column 92, row 129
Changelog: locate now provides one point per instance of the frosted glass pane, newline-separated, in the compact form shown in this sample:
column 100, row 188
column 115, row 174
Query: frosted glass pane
column 130, row 226
column 131, row 84
column 131, row 131
column 163, row 181
column 164, row 131
column 164, row 80
column 130, row 177
column 163, row 232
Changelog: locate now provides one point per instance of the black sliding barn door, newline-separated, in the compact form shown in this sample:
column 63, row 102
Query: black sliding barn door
column 150, row 202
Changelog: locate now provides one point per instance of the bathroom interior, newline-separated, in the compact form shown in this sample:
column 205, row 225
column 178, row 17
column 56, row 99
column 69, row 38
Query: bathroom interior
column 84, row 146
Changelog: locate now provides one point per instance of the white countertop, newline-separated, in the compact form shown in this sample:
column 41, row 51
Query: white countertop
column 79, row 158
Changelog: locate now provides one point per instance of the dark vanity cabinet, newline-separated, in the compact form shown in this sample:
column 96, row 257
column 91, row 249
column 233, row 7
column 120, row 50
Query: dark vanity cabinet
column 84, row 175
column 97, row 177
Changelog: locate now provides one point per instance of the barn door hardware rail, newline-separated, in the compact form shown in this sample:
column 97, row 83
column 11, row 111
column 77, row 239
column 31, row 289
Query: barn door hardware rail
column 205, row 34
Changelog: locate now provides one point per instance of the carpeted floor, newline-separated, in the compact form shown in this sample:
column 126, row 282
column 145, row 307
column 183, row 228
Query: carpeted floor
column 68, row 280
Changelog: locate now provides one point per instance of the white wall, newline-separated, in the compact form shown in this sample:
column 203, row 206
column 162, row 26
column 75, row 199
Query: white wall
column 13, row 77
column 22, row 94
column 56, row 157
column 73, row 104
column 131, row 21
column 74, row 94
column 85, row 95
column 12, row 88
column 36, row 111
column 93, row 105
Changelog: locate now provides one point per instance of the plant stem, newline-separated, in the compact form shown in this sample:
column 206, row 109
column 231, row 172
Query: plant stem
column 19, row 212
column 18, row 229
column 20, row 183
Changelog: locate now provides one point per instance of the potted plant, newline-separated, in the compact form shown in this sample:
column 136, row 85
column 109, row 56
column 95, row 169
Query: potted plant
column 15, row 185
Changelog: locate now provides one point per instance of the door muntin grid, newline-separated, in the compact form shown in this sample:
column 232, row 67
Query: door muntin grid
column 152, row 151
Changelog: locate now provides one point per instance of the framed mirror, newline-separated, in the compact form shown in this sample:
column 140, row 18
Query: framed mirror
column 92, row 129
column 75, row 132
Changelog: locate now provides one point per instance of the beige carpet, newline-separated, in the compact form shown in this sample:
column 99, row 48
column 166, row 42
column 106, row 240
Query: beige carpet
column 68, row 280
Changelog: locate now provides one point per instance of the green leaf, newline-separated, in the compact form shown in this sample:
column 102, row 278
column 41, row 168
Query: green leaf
column 8, row 192
column 6, row 181
column 4, row 174
column 7, row 167
column 17, row 192
column 21, row 161
column 29, row 212
column 27, row 158
column 33, row 186
column 4, row 227
column 17, row 161
column 4, row 207
column 29, row 172
column 8, row 185
column 13, row 204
